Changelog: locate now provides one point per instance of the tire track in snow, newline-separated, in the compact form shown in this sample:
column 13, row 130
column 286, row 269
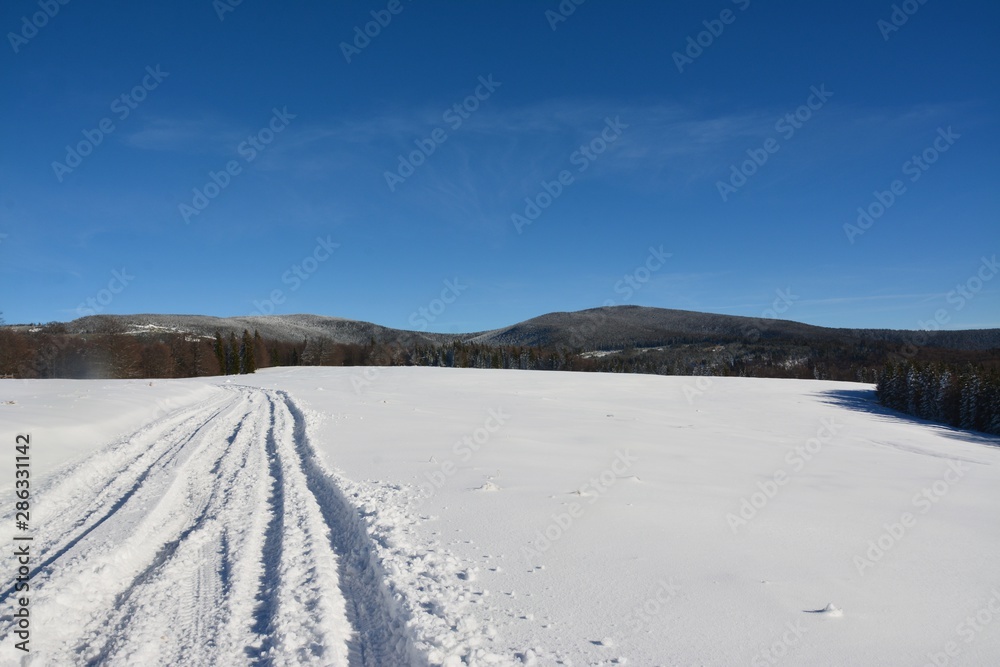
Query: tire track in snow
column 74, row 599
column 315, row 522
column 381, row 635
column 184, row 582
column 211, row 537
column 61, row 529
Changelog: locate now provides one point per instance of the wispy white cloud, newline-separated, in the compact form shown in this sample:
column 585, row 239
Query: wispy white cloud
column 502, row 152
column 921, row 298
column 185, row 135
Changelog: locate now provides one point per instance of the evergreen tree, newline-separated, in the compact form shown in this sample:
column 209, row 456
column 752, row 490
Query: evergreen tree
column 929, row 394
column 991, row 420
column 261, row 357
column 233, row 355
column 197, row 364
column 220, row 353
column 971, row 388
column 913, row 382
column 248, row 359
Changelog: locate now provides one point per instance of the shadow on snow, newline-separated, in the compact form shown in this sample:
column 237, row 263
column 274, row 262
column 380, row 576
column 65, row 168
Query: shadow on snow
column 864, row 400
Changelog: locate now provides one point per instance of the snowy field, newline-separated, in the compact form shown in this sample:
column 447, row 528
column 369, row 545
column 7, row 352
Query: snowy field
column 413, row 516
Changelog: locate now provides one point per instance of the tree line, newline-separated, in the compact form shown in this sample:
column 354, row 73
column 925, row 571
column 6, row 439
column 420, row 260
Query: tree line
column 240, row 356
column 966, row 397
column 49, row 351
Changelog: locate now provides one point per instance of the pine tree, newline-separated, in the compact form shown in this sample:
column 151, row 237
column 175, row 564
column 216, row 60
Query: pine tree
column 913, row 390
column 896, row 387
column 248, row 359
column 261, row 356
column 233, row 355
column 991, row 398
column 948, row 397
column 220, row 353
column 929, row 402
column 968, row 410
column 196, row 363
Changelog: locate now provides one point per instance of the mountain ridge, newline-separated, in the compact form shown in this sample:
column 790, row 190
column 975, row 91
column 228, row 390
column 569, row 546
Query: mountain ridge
column 603, row 328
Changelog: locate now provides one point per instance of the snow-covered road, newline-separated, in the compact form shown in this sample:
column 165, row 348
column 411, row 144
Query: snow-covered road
column 211, row 536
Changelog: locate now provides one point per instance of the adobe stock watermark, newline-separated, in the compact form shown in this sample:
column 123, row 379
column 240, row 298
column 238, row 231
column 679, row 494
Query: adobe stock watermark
column 714, row 28
column 633, row 281
column 783, row 301
column 777, row 650
column 363, row 377
column 786, row 126
column 968, row 630
column 248, row 149
column 30, row 25
column 421, row 318
column 629, row 284
column 966, row 291
column 581, row 158
column 463, row 451
column 915, row 167
column 454, row 116
column 898, row 17
column 122, row 106
column 958, row 298
column 643, row 616
column 923, row 502
column 223, row 7
column 593, row 489
column 96, row 304
column 297, row 274
column 562, row 12
column 750, row 333
column 364, row 34
column 796, row 459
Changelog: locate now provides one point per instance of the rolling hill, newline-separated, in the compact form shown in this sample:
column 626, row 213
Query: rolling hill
column 608, row 328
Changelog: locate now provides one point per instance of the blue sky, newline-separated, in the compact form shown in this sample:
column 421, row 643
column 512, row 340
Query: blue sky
column 210, row 158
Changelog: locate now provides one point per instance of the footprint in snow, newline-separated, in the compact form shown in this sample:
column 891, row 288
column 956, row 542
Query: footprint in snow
column 488, row 486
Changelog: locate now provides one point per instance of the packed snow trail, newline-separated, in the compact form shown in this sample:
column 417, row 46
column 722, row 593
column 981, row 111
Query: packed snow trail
column 208, row 537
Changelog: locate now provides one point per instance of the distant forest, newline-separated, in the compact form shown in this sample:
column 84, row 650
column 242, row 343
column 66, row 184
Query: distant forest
column 50, row 351
column 957, row 387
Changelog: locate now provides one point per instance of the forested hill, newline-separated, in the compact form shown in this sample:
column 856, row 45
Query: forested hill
column 618, row 327
column 609, row 328
column 629, row 339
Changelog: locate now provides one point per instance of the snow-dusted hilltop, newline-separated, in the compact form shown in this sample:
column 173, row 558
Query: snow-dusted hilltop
column 620, row 339
column 593, row 329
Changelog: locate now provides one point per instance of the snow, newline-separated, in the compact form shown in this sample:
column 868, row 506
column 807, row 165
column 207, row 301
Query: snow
column 75, row 417
column 398, row 516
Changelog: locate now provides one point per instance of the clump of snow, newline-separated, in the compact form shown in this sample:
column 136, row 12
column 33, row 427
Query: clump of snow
column 831, row 610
